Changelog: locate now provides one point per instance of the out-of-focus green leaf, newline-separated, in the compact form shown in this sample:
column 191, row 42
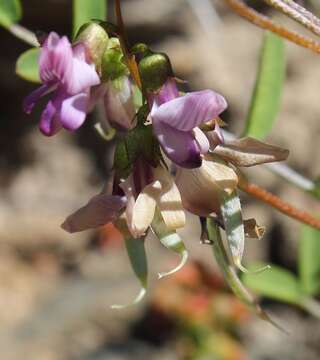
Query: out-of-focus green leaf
column 86, row 10
column 10, row 12
column 265, row 100
column 309, row 260
column 27, row 65
column 276, row 283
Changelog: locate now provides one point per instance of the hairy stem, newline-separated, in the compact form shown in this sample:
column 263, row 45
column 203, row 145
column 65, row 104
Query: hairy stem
column 239, row 7
column 279, row 204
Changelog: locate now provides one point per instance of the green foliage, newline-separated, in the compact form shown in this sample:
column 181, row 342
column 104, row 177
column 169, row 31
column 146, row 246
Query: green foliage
column 276, row 283
column 86, row 10
column 309, row 260
column 265, row 100
column 27, row 65
column 10, row 12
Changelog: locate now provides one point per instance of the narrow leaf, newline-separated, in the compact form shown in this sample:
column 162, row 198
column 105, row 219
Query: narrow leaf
column 86, row 10
column 276, row 283
column 10, row 12
column 309, row 260
column 265, row 100
column 230, row 274
column 137, row 255
column 27, row 65
column 171, row 240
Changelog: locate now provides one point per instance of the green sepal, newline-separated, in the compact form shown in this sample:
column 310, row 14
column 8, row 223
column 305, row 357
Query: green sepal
column 113, row 63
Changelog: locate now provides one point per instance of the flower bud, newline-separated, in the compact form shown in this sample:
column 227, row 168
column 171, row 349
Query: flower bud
column 113, row 66
column 155, row 69
column 95, row 39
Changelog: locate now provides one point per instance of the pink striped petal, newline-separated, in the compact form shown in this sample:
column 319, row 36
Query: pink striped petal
column 187, row 112
column 201, row 140
column 100, row 210
column 55, row 61
column 49, row 121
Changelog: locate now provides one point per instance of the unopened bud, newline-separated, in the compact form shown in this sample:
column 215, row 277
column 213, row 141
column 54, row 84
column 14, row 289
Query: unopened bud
column 113, row 66
column 95, row 39
column 155, row 69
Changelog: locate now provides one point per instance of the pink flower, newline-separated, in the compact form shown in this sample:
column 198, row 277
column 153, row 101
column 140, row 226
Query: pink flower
column 176, row 120
column 65, row 71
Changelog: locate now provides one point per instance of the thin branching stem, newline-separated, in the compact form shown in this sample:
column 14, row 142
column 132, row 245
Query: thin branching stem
column 239, row 7
column 24, row 34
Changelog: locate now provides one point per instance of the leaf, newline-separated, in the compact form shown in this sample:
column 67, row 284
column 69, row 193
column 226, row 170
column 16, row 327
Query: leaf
column 86, row 10
column 309, row 260
column 230, row 274
column 137, row 255
column 276, row 283
column 265, row 100
column 10, row 12
column 27, row 65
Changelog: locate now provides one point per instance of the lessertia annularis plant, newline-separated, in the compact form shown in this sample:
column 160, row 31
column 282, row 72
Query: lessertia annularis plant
column 170, row 153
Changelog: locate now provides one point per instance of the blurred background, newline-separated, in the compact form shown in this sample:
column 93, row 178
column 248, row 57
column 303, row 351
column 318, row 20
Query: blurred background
column 56, row 289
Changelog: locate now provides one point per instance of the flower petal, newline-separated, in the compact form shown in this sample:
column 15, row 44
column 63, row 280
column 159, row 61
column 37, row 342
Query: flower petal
column 187, row 112
column 100, row 210
column 200, row 188
column 49, row 121
column 169, row 201
column 55, row 61
column 144, row 208
column 74, row 111
column 250, row 152
column 31, row 99
column 180, row 146
column 83, row 76
column 201, row 140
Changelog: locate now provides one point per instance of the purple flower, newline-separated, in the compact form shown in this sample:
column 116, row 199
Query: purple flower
column 65, row 71
column 176, row 120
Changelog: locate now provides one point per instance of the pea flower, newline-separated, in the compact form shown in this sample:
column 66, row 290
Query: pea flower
column 66, row 71
column 176, row 120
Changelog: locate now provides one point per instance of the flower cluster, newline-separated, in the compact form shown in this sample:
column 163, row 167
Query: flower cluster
column 170, row 154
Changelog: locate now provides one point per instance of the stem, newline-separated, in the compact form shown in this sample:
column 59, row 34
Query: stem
column 279, row 204
column 132, row 65
column 311, row 306
column 286, row 7
column 24, row 34
column 239, row 7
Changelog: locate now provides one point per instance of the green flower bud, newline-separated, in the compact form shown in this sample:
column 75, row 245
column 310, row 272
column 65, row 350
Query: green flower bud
column 95, row 39
column 113, row 66
column 155, row 69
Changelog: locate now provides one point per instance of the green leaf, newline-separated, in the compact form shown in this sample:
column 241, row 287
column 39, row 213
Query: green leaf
column 276, row 283
column 27, row 65
column 10, row 12
column 86, row 10
column 309, row 260
column 265, row 100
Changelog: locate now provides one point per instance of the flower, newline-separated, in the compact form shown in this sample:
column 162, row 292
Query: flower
column 66, row 71
column 176, row 120
column 143, row 192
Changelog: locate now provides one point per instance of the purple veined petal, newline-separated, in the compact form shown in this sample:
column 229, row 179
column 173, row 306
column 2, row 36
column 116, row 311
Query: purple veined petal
column 187, row 112
column 79, row 51
column 83, row 77
column 55, row 61
column 201, row 140
column 96, row 93
column 30, row 101
column 49, row 121
column 180, row 146
column 169, row 91
column 100, row 210
column 74, row 111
